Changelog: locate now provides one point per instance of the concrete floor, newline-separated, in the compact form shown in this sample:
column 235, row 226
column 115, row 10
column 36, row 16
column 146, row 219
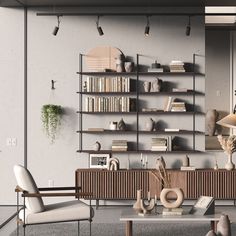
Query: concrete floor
column 109, row 214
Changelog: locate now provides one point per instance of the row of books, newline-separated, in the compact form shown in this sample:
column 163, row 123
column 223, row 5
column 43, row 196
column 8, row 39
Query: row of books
column 177, row 66
column 162, row 144
column 110, row 104
column 108, row 84
column 119, row 145
column 170, row 105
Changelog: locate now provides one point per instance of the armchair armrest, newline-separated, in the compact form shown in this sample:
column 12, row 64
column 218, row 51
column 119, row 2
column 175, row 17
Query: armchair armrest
column 18, row 189
column 25, row 194
column 59, row 188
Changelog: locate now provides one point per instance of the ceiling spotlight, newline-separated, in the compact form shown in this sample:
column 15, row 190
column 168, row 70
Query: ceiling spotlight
column 99, row 28
column 56, row 29
column 188, row 27
column 147, row 28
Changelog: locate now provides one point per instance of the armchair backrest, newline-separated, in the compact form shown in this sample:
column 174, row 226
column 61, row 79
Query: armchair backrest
column 26, row 182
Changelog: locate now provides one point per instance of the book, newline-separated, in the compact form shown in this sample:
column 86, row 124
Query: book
column 187, row 168
column 171, row 130
column 155, row 70
column 180, row 90
column 172, row 212
column 95, row 129
column 168, row 103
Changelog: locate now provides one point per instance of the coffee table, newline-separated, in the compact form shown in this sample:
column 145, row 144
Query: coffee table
column 130, row 216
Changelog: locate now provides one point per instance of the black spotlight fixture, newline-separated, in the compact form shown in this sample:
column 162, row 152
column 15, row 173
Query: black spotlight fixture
column 56, row 29
column 147, row 28
column 99, row 28
column 188, row 27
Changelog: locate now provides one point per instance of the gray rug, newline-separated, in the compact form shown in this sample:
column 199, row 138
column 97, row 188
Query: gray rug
column 103, row 229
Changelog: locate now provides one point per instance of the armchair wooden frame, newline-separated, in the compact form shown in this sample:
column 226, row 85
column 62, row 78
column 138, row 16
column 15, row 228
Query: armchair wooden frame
column 25, row 194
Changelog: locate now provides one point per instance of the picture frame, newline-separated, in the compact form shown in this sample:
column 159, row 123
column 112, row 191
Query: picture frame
column 99, row 161
column 205, row 205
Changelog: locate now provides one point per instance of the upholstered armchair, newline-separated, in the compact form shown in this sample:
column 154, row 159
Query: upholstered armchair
column 34, row 211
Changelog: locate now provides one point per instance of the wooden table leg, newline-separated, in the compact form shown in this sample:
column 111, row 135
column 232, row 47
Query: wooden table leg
column 129, row 228
column 214, row 225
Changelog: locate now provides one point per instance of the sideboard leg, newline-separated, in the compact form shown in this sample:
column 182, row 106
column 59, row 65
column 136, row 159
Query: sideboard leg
column 129, row 230
column 97, row 203
column 214, row 225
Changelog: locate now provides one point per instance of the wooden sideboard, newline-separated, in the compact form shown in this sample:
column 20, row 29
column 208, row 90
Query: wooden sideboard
column 123, row 184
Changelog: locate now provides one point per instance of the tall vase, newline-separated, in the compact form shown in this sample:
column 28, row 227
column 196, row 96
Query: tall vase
column 229, row 165
column 223, row 226
column 137, row 204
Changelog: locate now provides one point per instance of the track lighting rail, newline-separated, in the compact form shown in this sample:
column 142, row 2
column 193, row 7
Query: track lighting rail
column 131, row 14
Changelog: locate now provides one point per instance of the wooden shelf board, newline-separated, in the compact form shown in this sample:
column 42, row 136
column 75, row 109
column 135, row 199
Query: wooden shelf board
column 139, row 73
column 145, row 113
column 188, row 93
column 108, row 93
column 140, row 132
column 139, row 151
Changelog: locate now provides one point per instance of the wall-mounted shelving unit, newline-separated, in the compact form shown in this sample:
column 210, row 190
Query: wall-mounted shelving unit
column 137, row 94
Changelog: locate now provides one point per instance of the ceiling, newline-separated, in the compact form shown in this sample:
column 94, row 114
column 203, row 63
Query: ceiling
column 112, row 3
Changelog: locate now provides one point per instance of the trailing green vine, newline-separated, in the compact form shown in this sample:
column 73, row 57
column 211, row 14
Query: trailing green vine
column 51, row 118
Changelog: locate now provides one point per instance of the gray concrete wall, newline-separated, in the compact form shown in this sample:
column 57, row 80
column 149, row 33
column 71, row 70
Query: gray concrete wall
column 56, row 58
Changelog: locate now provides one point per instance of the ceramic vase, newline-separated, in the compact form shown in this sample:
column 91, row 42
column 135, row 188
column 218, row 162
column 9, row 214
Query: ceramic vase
column 121, row 125
column 97, row 146
column 185, row 162
column 146, row 86
column 129, row 66
column 156, row 85
column 211, row 117
column 120, row 64
column 160, row 162
column 137, row 204
column 149, row 124
column 211, row 233
column 229, row 165
column 223, row 226
column 171, row 204
column 113, row 125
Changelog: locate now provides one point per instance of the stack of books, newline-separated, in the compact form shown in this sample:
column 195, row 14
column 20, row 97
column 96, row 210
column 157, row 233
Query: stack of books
column 177, row 66
column 178, row 106
column 119, row 145
column 159, row 144
column 158, row 70
column 172, row 212
column 180, row 90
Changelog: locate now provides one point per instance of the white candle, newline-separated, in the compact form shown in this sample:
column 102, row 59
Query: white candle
column 155, row 198
column 149, row 196
column 146, row 159
column 141, row 158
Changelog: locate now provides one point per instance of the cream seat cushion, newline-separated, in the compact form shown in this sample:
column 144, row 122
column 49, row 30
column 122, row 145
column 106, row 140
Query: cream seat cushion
column 65, row 211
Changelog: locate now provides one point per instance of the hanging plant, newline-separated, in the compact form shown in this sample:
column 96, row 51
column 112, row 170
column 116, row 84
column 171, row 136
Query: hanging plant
column 51, row 118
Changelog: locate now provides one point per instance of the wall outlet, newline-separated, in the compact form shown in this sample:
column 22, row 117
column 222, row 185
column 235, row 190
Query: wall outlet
column 8, row 141
column 14, row 141
column 218, row 93
column 50, row 183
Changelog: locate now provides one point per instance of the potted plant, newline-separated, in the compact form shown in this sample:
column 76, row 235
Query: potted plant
column 51, row 117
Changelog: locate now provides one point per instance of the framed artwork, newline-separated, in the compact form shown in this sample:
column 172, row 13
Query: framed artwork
column 99, row 160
